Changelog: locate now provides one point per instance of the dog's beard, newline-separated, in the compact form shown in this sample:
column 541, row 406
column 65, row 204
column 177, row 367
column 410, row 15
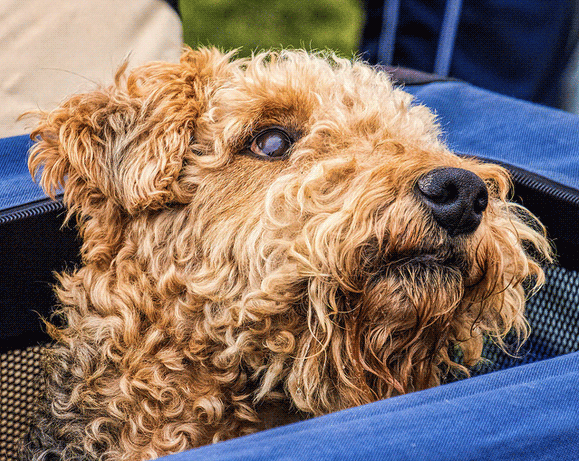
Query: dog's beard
column 402, row 331
column 388, row 338
column 404, row 319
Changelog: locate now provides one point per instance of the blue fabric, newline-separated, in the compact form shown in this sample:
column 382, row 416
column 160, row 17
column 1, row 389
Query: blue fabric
column 487, row 125
column 521, row 414
column 518, row 48
column 16, row 185
column 448, row 31
column 388, row 35
column 387, row 39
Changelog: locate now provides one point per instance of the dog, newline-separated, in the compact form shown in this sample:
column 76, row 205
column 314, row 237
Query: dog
column 264, row 240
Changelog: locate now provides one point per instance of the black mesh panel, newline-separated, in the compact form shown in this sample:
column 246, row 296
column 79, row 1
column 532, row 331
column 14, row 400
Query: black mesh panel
column 19, row 387
column 553, row 315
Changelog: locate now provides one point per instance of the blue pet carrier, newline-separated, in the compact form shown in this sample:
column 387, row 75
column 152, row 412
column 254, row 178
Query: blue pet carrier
column 523, row 407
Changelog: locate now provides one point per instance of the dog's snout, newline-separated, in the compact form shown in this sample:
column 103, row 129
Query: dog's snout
column 455, row 197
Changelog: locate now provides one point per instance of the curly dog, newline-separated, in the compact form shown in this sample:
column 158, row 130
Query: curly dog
column 264, row 239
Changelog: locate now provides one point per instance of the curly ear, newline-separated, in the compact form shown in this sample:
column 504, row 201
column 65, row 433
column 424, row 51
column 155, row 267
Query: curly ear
column 126, row 144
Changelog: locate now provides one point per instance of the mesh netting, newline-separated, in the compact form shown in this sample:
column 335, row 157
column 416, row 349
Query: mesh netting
column 553, row 315
column 19, row 388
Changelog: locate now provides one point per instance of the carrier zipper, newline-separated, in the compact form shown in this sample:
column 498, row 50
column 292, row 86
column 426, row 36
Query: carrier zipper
column 535, row 181
column 523, row 177
column 541, row 184
column 31, row 210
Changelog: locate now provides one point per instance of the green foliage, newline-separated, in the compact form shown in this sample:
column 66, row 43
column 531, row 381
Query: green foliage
column 262, row 24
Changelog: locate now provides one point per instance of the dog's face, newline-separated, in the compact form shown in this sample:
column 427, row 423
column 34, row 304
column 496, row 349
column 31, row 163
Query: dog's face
column 292, row 222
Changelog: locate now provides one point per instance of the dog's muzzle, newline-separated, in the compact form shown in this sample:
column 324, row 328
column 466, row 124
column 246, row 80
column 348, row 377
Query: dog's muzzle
column 456, row 198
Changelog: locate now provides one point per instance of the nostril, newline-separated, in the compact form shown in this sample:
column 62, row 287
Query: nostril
column 456, row 198
column 437, row 191
column 481, row 201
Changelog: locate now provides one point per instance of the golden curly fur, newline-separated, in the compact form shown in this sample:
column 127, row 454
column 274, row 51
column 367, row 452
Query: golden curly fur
column 216, row 286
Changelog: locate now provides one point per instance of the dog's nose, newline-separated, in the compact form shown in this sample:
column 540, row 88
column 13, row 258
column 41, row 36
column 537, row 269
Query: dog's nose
column 456, row 198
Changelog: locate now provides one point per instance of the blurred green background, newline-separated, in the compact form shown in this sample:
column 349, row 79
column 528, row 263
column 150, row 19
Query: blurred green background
column 261, row 24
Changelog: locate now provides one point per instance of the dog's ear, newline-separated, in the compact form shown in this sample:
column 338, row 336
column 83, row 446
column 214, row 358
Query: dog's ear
column 125, row 145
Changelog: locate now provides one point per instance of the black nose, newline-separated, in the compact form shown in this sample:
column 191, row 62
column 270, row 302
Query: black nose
column 456, row 198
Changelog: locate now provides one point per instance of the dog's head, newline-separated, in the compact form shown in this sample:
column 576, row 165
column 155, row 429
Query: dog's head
column 292, row 221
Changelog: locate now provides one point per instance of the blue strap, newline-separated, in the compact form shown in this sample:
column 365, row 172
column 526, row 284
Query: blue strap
column 450, row 22
column 448, row 31
column 388, row 34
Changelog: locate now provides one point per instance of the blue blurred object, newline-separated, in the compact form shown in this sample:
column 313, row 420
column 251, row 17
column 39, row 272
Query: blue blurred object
column 388, row 35
column 512, row 47
column 447, row 37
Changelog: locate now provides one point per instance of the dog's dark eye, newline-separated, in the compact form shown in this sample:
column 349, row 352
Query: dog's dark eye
column 273, row 143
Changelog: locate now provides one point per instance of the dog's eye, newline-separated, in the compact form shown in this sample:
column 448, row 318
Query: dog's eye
column 272, row 143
